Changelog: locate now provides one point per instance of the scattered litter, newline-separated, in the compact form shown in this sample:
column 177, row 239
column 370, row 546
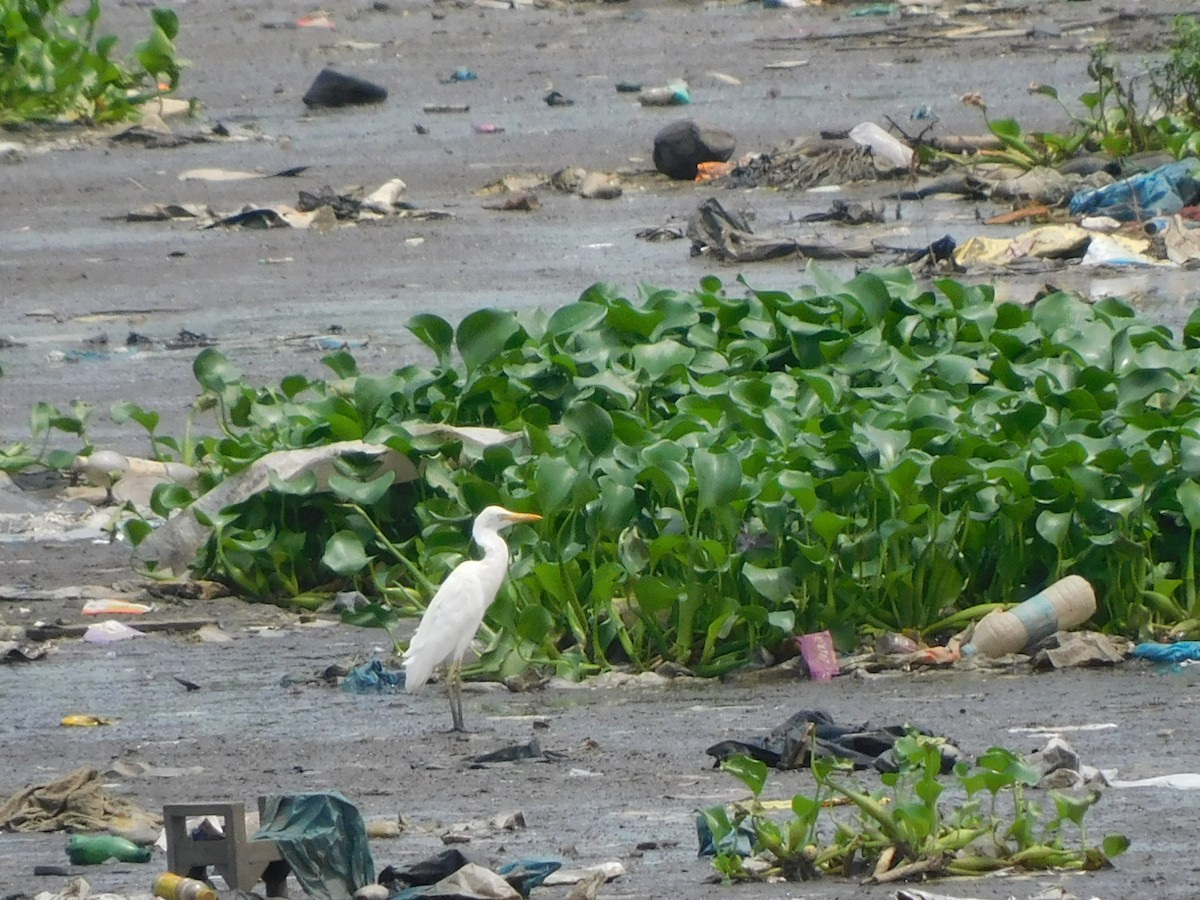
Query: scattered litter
column 109, row 632
column 526, row 874
column 445, row 108
column 1056, row 729
column 674, row 94
column 383, row 829
column 487, row 128
column 787, row 64
column 315, row 20
column 521, row 201
column 1119, row 250
column 882, row 145
column 680, row 147
column 93, row 849
column 1185, row 781
column 610, row 870
column 1074, row 649
column 174, row 544
column 791, row 744
column 468, row 882
column 332, row 89
column 15, row 646
column 74, row 802
column 428, row 871
column 1176, row 653
column 739, row 841
column 210, row 174
column 512, row 753
column 462, row 75
column 1068, row 602
column 819, row 655
column 805, row 166
column 132, row 768
column 600, row 186
column 629, row 87
column 875, row 9
column 846, row 213
column 727, row 237
column 1061, row 767
column 81, row 720
column 554, row 98
column 212, row 634
column 372, row 677
column 323, row 838
column 1045, row 242
column 114, row 607
column 1160, row 192
column 660, row 233
column 463, row 832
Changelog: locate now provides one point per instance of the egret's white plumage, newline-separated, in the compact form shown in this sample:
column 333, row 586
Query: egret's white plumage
column 458, row 607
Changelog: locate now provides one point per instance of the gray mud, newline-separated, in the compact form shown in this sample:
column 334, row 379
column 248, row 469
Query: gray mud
column 633, row 767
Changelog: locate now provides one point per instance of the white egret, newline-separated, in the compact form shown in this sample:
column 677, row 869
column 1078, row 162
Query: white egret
column 458, row 607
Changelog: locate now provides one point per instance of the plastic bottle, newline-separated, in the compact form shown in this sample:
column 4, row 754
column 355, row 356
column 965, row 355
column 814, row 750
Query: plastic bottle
column 882, row 144
column 93, row 849
column 170, row 886
column 1064, row 604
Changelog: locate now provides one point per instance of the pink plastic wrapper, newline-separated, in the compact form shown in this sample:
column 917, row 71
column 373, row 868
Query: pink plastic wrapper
column 819, row 655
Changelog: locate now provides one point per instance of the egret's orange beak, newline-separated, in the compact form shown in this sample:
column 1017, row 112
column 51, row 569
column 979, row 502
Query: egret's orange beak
column 524, row 517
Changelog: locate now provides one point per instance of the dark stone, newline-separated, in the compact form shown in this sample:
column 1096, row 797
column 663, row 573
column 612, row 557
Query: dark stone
column 682, row 146
column 334, row 89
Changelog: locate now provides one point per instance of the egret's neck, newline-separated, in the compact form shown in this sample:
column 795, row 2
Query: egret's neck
column 494, row 549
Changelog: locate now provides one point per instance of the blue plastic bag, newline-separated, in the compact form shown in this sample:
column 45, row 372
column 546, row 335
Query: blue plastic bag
column 1160, row 192
column 1180, row 651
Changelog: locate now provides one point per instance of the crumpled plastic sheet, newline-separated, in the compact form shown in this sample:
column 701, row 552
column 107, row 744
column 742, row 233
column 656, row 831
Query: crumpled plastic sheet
column 790, row 745
column 371, row 677
column 740, row 841
column 1159, row 192
column 1180, row 651
column 324, row 839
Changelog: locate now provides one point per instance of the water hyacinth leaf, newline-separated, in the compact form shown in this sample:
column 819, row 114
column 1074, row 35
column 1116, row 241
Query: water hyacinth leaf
column 774, row 584
column 372, row 615
column 1059, row 311
column 782, row 619
column 1114, row 845
column 168, row 497
column 1053, row 527
column 435, row 333
column 829, row 525
column 574, row 318
column 213, row 371
column 618, row 504
column 591, row 424
column 341, row 363
column 749, row 771
column 623, row 317
column 610, row 384
column 535, row 624
column 124, row 412
column 718, row 478
column 364, row 493
column 1136, row 386
column 483, row 335
column 657, row 359
column 655, row 595
column 1188, row 494
column 554, row 482
column 344, row 554
column 301, row 485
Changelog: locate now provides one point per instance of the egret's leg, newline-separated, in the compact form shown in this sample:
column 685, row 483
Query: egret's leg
column 454, row 687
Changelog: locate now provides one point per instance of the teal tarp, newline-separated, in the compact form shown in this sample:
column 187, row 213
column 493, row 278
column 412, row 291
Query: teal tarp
column 324, row 839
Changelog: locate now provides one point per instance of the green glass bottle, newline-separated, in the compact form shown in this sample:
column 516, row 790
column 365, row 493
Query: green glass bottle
column 93, row 849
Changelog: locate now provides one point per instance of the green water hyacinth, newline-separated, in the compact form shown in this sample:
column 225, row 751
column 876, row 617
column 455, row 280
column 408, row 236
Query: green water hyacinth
column 722, row 468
